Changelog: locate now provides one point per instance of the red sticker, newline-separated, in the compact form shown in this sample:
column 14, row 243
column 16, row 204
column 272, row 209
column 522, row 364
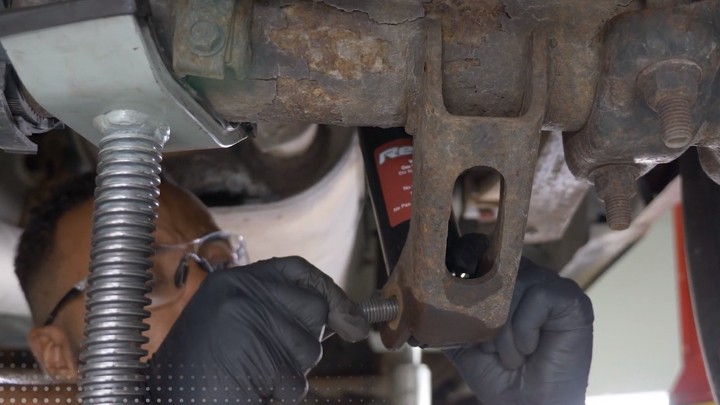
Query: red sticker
column 394, row 166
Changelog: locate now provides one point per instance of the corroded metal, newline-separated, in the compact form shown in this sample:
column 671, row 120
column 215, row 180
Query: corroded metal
column 204, row 29
column 353, row 62
column 615, row 186
column 657, row 82
column 376, row 63
column 670, row 88
column 623, row 128
column 433, row 303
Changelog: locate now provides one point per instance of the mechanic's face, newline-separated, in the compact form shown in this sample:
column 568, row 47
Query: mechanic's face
column 181, row 218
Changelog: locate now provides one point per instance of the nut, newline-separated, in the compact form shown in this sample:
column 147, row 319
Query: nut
column 669, row 79
column 671, row 88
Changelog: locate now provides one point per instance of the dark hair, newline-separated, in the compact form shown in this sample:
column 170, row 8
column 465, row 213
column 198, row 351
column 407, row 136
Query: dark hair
column 37, row 240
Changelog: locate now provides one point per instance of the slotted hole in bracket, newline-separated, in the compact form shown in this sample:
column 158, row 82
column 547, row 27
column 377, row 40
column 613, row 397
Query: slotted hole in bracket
column 477, row 202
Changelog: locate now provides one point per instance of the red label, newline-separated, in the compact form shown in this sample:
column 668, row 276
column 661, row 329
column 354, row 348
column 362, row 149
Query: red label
column 394, row 166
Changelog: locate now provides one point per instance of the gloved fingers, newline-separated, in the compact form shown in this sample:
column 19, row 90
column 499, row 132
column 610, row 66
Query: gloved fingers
column 557, row 304
column 488, row 347
column 306, row 306
column 473, row 363
column 564, row 349
column 563, row 353
column 270, row 335
column 348, row 322
column 531, row 314
column 300, row 347
column 484, row 373
column 571, row 309
column 528, row 275
column 509, row 355
column 525, row 280
column 290, row 385
column 344, row 316
column 560, row 366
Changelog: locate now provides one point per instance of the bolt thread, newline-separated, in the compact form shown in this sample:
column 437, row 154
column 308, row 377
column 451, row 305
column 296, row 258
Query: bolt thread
column 618, row 212
column 676, row 122
column 378, row 310
column 126, row 199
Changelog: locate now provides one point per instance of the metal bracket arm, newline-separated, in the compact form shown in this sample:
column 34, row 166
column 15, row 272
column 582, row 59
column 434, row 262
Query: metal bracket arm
column 437, row 309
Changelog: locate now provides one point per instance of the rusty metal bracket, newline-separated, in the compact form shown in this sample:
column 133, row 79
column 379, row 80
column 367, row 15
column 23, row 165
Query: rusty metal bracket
column 437, row 309
column 203, row 31
column 657, row 85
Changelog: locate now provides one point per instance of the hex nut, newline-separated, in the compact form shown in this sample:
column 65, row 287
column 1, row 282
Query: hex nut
column 670, row 88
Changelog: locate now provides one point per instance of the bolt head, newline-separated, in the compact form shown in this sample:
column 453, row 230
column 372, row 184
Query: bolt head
column 615, row 179
column 206, row 38
column 671, row 78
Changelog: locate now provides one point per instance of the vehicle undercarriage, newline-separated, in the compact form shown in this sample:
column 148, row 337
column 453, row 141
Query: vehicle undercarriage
column 521, row 112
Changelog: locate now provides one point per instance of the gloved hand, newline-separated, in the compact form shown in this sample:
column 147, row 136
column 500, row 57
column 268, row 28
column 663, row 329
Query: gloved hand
column 251, row 334
column 542, row 354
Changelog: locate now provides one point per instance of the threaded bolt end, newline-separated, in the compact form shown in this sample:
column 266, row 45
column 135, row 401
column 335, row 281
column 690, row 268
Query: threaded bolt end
column 676, row 122
column 618, row 212
column 378, row 310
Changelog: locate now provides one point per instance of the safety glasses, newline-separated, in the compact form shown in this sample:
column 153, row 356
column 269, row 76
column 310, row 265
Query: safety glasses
column 171, row 264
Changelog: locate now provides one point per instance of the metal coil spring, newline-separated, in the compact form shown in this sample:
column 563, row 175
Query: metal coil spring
column 126, row 199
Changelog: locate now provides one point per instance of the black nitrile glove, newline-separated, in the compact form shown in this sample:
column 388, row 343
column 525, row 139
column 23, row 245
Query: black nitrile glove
column 251, row 334
column 542, row 354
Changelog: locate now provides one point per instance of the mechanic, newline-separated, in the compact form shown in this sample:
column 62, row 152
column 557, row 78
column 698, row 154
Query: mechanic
column 254, row 331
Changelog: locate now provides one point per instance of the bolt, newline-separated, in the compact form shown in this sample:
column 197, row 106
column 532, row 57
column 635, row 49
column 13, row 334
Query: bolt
column 615, row 186
column 206, row 38
column 670, row 88
column 676, row 122
column 378, row 310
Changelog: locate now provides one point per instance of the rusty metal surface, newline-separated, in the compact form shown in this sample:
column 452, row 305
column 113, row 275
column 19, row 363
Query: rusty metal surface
column 656, row 98
column 670, row 88
column 203, row 31
column 556, row 193
column 352, row 62
column 615, row 186
column 433, row 303
column 455, row 73
column 623, row 128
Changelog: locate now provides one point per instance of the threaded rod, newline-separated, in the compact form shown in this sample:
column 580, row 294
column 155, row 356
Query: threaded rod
column 618, row 212
column 676, row 122
column 378, row 310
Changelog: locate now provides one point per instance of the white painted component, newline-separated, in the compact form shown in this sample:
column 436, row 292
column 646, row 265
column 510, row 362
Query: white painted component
column 636, row 398
column 12, row 300
column 319, row 224
column 637, row 345
column 81, row 70
column 411, row 380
